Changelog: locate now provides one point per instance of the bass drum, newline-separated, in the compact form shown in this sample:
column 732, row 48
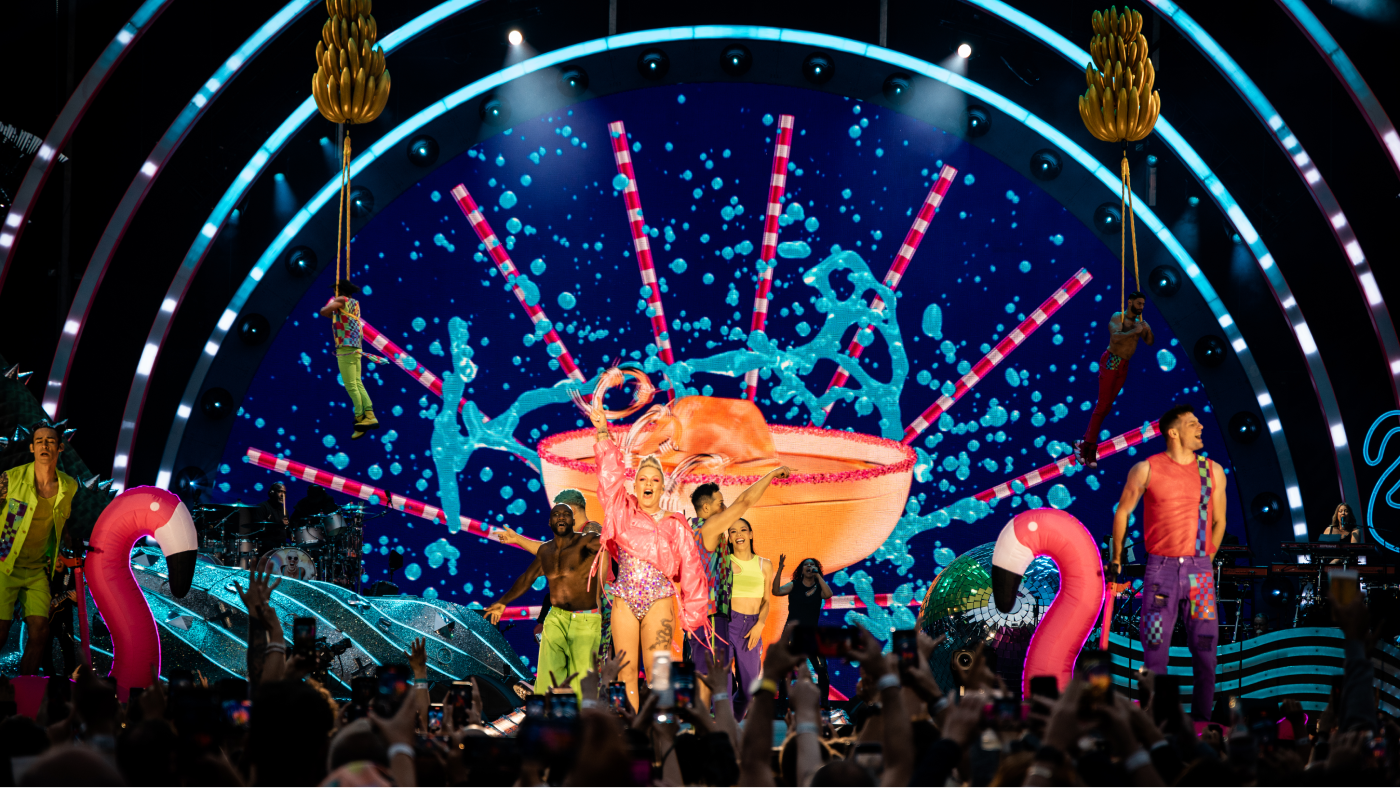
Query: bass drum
column 290, row 562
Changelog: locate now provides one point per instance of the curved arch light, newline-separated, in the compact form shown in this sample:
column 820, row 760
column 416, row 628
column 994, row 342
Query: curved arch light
column 1352, row 80
column 1108, row 178
column 141, row 186
column 184, row 275
column 1317, row 185
column 68, row 119
column 1283, row 294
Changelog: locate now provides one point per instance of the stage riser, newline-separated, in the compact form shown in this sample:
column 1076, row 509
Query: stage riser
column 1296, row 663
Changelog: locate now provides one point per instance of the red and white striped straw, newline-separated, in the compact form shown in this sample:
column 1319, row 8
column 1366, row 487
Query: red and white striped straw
column 402, row 359
column 901, row 262
column 1057, row 468
column 365, row 492
column 530, row 612
column 768, row 252
column 498, row 253
column 1003, row 349
column 641, row 244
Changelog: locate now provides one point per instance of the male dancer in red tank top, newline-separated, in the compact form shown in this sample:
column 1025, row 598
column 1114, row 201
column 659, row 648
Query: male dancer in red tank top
column 1183, row 517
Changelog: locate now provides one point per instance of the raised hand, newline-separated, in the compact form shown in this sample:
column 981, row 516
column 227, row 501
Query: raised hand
column 782, row 561
column 782, row 472
column 611, row 667
column 506, row 536
column 599, row 419
column 260, row 588
column 494, row 613
column 418, row 658
column 779, row 660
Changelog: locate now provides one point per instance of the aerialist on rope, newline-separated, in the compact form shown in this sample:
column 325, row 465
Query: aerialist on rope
column 1124, row 330
column 344, row 312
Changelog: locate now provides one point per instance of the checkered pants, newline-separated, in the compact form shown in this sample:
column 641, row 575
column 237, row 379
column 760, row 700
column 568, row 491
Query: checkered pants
column 1171, row 586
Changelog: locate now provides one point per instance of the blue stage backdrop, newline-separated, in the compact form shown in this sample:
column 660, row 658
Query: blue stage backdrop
column 998, row 247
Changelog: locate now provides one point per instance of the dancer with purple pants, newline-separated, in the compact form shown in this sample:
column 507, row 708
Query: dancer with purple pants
column 740, row 635
column 1183, row 502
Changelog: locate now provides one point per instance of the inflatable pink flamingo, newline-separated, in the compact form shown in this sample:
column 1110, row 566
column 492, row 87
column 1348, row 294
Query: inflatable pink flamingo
column 138, row 512
column 1064, row 628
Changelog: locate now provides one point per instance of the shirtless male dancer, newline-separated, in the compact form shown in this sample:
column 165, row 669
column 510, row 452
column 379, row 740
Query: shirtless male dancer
column 1124, row 330
column 574, row 624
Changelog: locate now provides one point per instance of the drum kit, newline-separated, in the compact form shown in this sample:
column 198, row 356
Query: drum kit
column 325, row 547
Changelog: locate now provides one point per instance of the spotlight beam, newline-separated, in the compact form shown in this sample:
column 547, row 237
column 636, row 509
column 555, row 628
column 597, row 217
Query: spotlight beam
column 642, row 245
column 1057, row 468
column 509, row 272
column 365, row 492
column 768, row 254
column 912, row 239
column 1004, row 348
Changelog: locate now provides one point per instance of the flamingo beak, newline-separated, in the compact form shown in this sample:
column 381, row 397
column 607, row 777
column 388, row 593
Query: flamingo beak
column 1005, row 585
column 1009, row 561
column 179, row 542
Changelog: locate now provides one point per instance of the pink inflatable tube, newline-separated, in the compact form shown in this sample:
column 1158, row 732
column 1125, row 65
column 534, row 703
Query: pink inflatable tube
column 138, row 512
column 1066, row 625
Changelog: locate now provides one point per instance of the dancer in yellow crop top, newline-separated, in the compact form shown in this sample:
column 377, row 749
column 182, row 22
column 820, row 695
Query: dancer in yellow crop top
column 748, row 609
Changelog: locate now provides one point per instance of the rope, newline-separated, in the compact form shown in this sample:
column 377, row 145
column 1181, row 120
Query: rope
column 342, row 225
column 1125, row 209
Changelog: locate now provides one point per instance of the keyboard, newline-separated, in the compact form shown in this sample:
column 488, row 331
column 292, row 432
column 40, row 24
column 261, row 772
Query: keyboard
column 1243, row 572
column 1327, row 548
column 1310, row 570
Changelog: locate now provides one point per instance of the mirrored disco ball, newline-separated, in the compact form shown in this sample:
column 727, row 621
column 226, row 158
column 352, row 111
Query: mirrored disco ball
column 959, row 605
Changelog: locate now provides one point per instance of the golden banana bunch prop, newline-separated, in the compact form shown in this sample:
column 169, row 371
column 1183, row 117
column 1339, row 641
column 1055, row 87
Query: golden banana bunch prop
column 1120, row 103
column 351, row 84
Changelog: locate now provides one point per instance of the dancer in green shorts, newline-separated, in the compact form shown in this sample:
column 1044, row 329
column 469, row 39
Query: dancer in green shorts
column 37, row 498
column 344, row 312
column 574, row 624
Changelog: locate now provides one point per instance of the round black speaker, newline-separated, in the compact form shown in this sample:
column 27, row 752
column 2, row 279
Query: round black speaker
column 1046, row 165
column 1266, row 507
column 573, row 81
column 216, row 403
column 977, row 122
column 423, row 150
column 653, row 63
column 190, row 481
column 494, row 110
column 1164, row 280
column 1210, row 351
column 361, row 202
column 736, row 60
column 1245, row 427
column 254, row 329
column 300, row 261
column 898, row 88
column 818, row 68
column 1108, row 219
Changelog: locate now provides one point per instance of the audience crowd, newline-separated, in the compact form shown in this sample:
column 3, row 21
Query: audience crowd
column 907, row 730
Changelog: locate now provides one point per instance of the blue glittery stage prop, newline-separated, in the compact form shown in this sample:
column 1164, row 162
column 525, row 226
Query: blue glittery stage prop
column 205, row 630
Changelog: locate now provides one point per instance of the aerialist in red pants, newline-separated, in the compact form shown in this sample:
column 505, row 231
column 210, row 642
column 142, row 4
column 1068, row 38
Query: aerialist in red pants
column 1124, row 329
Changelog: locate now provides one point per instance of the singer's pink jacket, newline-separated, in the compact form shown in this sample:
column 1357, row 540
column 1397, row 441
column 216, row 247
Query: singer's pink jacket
column 667, row 544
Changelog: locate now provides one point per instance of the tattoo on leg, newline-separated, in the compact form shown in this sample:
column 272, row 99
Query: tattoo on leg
column 663, row 636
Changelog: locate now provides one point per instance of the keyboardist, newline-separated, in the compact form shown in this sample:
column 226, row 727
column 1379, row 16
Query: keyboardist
column 1343, row 529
